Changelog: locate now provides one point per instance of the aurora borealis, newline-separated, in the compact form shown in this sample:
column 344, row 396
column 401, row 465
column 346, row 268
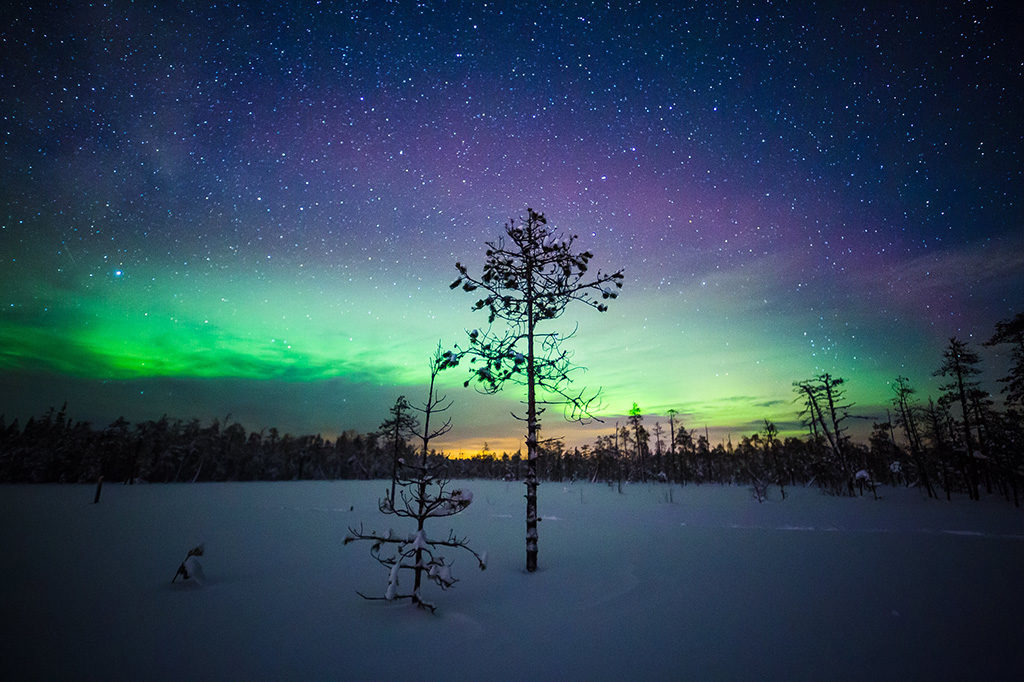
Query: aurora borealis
column 256, row 210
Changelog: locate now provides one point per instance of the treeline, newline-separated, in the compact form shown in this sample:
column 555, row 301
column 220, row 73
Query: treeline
column 54, row 448
column 956, row 443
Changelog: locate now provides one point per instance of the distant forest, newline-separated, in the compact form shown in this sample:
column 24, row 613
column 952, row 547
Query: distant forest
column 959, row 443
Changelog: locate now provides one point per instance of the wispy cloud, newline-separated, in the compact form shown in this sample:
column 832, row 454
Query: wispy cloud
column 962, row 291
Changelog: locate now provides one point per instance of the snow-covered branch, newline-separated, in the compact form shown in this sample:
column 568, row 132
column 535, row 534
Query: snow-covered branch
column 424, row 495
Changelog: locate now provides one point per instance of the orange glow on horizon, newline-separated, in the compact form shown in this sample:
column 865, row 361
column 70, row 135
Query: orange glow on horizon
column 464, row 448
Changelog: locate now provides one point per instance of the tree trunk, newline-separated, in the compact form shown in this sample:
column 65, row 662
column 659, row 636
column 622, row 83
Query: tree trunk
column 672, row 464
column 532, row 452
column 422, row 496
column 394, row 461
column 532, row 427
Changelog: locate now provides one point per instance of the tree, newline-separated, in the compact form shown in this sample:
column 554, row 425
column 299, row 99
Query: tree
column 636, row 419
column 530, row 275
column 883, row 451
column 417, row 500
column 686, row 458
column 936, row 420
column 906, row 416
column 756, row 460
column 1012, row 332
column 673, row 465
column 771, row 454
column 825, row 410
column 960, row 363
column 657, row 432
column 440, row 361
column 702, row 457
column 396, row 429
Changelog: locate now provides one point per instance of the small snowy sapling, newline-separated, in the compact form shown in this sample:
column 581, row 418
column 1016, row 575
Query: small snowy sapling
column 863, row 479
column 417, row 552
column 190, row 569
column 423, row 495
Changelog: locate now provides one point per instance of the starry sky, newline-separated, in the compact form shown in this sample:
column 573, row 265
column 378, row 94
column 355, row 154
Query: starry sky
column 255, row 210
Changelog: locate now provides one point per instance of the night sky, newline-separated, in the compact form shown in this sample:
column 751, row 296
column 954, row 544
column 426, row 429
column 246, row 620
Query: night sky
column 257, row 211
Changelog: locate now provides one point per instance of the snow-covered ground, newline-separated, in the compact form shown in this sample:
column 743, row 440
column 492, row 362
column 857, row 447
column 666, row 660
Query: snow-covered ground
column 658, row 582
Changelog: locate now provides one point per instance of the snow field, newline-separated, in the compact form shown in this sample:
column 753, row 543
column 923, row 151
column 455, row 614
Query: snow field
column 711, row 585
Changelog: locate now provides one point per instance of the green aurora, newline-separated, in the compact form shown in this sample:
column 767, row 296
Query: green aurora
column 719, row 360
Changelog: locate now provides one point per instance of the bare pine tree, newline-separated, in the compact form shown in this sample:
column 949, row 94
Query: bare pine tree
column 530, row 275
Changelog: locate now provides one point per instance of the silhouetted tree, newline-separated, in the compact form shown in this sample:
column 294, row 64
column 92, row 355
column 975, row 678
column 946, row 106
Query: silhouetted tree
column 686, row 451
column 826, row 411
column 1011, row 332
column 529, row 279
column 937, row 429
column 906, row 416
column 659, row 452
column 773, row 457
column 960, row 364
column 883, row 451
column 636, row 419
column 396, row 428
column 673, row 464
